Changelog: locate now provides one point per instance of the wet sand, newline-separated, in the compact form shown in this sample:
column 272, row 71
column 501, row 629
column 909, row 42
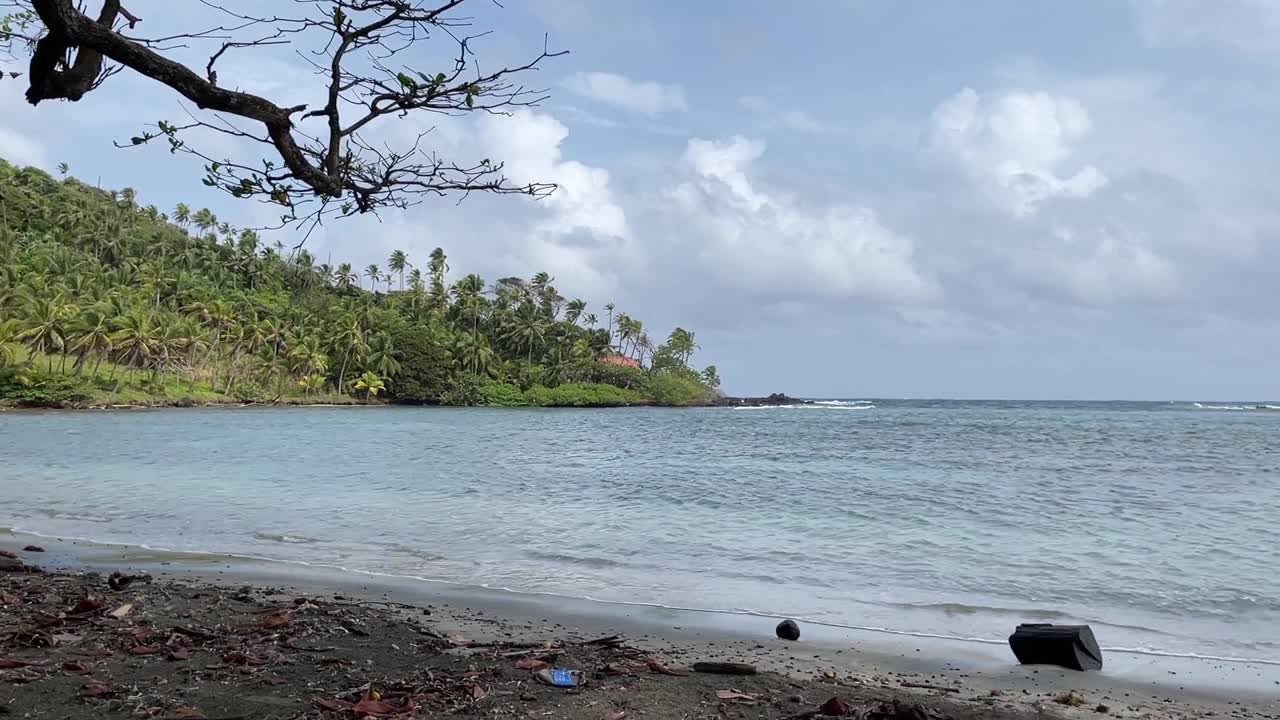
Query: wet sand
column 966, row 679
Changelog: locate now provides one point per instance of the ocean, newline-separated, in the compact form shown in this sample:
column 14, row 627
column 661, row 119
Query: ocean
column 1157, row 523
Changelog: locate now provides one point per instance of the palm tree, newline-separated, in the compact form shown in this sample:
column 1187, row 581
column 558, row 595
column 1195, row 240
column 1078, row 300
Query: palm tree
column 182, row 215
column 397, row 263
column 383, row 355
column 134, row 336
column 574, row 310
column 438, row 266
column 527, row 330
column 8, row 338
column 350, row 341
column 91, row 335
column 45, row 329
column 374, row 273
column 590, row 320
column 711, row 377
column 344, row 277
column 370, row 383
column 609, row 307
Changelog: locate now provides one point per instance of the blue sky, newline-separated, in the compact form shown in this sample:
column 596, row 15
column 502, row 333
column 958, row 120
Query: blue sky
column 859, row 198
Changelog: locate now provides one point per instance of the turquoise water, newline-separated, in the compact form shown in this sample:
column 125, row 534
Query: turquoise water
column 1158, row 523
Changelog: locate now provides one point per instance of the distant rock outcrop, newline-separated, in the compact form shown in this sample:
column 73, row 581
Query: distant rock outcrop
column 774, row 399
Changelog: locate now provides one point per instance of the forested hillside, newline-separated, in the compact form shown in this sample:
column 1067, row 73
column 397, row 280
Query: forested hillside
column 106, row 301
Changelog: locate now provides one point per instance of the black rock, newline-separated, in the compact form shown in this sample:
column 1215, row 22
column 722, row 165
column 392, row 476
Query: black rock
column 788, row 630
column 1069, row 646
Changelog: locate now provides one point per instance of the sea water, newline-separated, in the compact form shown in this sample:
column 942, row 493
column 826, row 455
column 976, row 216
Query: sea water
column 1158, row 523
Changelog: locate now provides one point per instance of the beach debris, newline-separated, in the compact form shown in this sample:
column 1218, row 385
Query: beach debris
column 1069, row 646
column 1102, row 708
column 616, row 715
column 927, row 686
column 724, row 668
column 179, row 654
column 659, row 668
column 119, row 581
column 788, row 630
column 835, row 707
column 187, row 713
column 532, row 664
column 243, row 659
column 275, row 620
column 457, row 640
column 87, row 604
column 15, row 663
column 96, row 688
column 9, row 598
column 121, row 612
column 561, row 677
column 731, row 694
column 33, row 548
column 75, row 667
column 1070, row 697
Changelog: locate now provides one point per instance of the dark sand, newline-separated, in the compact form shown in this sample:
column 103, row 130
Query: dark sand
column 273, row 640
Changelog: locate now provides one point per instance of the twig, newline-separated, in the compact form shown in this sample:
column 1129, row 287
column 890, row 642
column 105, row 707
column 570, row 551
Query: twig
column 927, row 686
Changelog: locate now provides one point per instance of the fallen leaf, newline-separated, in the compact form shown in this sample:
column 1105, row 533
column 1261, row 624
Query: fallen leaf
column 122, row 611
column 243, row 659
column 179, row 654
column 276, row 680
column 87, row 604
column 13, row 663
column 834, row 707
column 476, row 692
column 9, row 599
column 145, row 649
column 531, row 664
column 277, row 619
column 188, row 713
column 661, row 669
column 334, row 705
column 96, row 688
column 614, row 671
column 616, row 715
column 65, row 638
column 733, row 695
column 374, row 708
column 457, row 640
column 73, row 667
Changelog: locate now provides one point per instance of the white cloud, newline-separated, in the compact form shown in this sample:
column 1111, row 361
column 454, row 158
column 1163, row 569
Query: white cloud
column 1250, row 26
column 765, row 243
column 1017, row 146
column 797, row 120
column 647, row 97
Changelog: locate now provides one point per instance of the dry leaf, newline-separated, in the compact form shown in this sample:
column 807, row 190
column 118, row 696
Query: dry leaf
column 87, row 604
column 531, row 664
column 96, row 688
column 121, row 612
column 661, row 669
column 277, row 619
column 733, row 695
column 179, row 654
column 9, row 598
column 834, row 707
column 476, row 692
column 243, row 659
column 72, row 667
column 14, row 663
column 457, row 640
column 145, row 649
column 616, row 715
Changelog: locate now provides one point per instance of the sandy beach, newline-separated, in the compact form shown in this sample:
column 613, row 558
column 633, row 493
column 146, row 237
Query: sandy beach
column 450, row 649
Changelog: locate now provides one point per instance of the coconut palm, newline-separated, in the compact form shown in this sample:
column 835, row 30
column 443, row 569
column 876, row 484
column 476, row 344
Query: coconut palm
column 374, row 273
column 370, row 383
column 398, row 263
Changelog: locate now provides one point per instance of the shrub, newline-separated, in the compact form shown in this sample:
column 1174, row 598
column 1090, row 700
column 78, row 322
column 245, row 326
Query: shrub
column 463, row 391
column 581, row 395
column 502, row 395
column 677, row 389
column 424, row 368
column 32, row 388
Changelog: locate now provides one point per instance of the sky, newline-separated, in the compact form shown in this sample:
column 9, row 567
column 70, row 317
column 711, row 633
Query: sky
column 855, row 198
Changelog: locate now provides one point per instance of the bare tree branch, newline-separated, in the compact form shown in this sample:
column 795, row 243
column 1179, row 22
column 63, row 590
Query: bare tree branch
column 355, row 49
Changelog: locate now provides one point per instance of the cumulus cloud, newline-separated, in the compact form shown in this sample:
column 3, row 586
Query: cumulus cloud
column 1018, row 146
column 646, row 97
column 765, row 243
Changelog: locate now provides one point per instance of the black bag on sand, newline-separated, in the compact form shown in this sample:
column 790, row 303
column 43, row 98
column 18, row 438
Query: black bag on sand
column 1070, row 646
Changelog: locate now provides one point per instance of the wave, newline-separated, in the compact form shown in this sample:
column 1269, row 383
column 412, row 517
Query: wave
column 818, row 405
column 844, row 403
column 593, row 562
column 286, row 539
column 1201, row 406
column 633, row 603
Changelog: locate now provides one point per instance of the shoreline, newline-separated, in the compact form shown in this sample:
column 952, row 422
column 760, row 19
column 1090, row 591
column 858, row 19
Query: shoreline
column 977, row 672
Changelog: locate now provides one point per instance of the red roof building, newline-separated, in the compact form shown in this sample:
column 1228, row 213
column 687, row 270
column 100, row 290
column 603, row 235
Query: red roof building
column 620, row 361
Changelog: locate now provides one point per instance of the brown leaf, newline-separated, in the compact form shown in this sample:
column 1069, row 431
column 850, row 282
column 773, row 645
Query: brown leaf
column 834, row 707
column 122, row 611
column 334, row 705
column 73, row 667
column 661, row 669
column 65, row 638
column 616, row 715
column 9, row 598
column 277, row 619
column 188, row 713
column 276, row 680
column 531, row 664
column 614, row 671
column 179, row 654
column 13, row 663
column 376, row 708
column 87, row 604
column 146, row 649
column 96, row 688
column 731, row 694
column 237, row 658
column 476, row 692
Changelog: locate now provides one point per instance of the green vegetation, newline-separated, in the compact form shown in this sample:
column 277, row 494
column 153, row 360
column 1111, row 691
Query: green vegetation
column 106, row 302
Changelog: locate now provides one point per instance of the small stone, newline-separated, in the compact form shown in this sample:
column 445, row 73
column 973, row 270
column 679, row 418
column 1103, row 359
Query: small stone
column 795, row 699
column 788, row 630
column 1102, row 709
column 528, row 697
